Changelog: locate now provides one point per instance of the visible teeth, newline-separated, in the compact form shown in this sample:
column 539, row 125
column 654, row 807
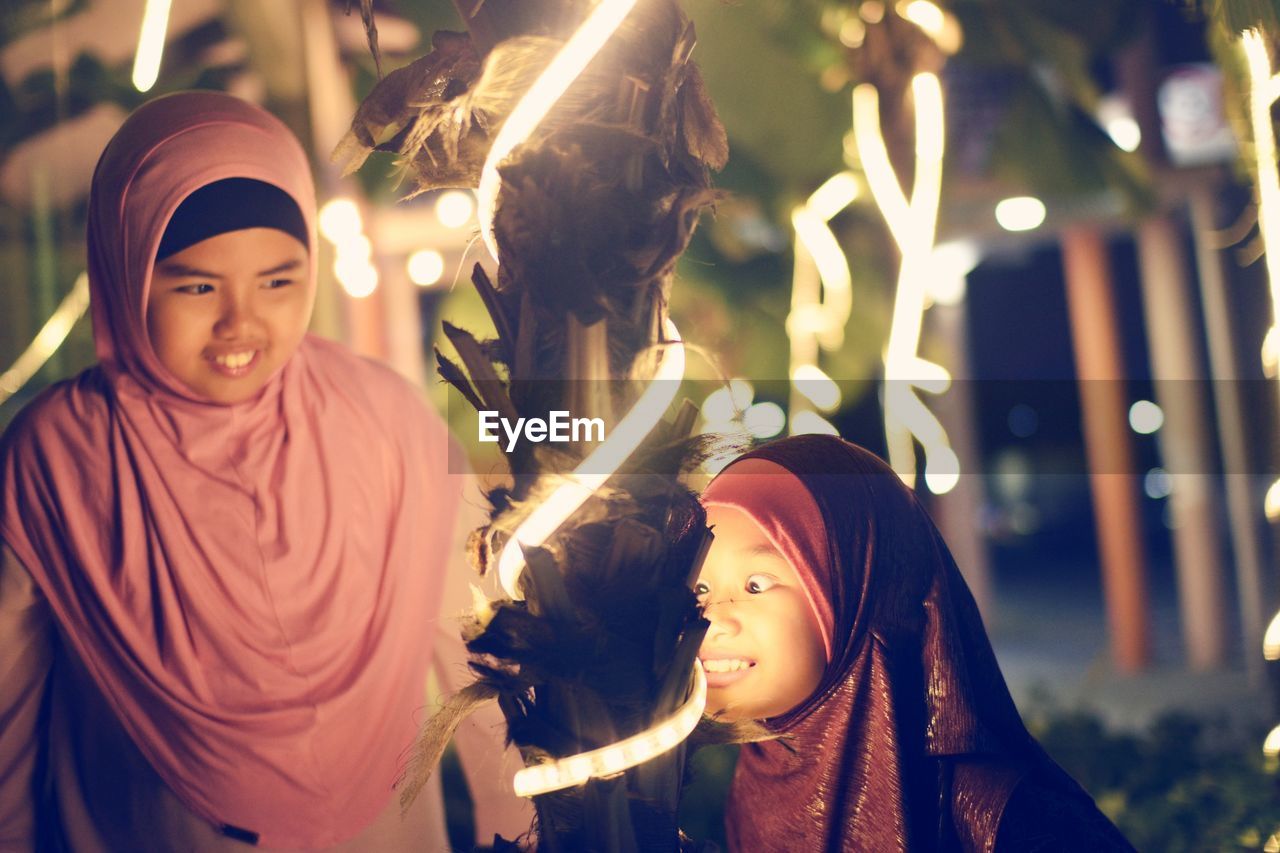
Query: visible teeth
column 235, row 360
column 725, row 665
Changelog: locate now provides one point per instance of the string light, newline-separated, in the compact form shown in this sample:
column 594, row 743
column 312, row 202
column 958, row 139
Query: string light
column 425, row 267
column 598, row 467
column 47, row 340
column 622, row 755
column 577, row 52
column 146, row 62
column 819, row 309
column 912, row 223
column 341, row 224
column 1264, row 89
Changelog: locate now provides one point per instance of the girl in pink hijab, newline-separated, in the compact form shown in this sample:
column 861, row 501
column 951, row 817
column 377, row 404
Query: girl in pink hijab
column 839, row 619
column 225, row 546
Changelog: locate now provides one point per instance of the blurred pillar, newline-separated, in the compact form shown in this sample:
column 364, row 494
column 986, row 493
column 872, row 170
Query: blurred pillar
column 1244, row 511
column 1096, row 340
column 959, row 512
column 1186, row 444
column 331, row 107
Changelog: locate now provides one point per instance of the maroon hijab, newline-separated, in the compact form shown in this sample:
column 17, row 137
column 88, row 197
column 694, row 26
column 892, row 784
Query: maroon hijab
column 911, row 740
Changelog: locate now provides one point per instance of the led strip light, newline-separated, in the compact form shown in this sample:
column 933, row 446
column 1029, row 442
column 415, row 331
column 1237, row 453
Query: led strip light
column 577, row 52
column 913, row 224
column 595, row 470
column 1264, row 90
column 47, row 340
column 617, row 757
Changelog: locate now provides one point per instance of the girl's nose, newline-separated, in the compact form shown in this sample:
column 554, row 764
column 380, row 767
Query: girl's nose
column 236, row 319
column 723, row 616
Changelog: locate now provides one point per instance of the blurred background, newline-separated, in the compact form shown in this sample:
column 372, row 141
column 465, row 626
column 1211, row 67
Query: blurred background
column 1074, row 358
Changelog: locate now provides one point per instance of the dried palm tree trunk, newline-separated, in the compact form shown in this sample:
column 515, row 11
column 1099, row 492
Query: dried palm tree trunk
column 593, row 213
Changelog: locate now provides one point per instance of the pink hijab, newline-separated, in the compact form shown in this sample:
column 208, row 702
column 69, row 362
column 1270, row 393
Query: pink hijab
column 252, row 587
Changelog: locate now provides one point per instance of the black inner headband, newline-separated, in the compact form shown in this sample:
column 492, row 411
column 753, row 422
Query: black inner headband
column 231, row 205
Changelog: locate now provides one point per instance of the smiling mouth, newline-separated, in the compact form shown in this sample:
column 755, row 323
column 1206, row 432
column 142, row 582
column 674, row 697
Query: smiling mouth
column 235, row 363
column 727, row 664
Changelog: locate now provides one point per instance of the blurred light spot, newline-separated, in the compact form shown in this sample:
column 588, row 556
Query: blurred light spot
column 454, row 208
column 1272, row 503
column 727, row 404
column 357, row 276
column 925, row 15
column 1271, row 353
column 765, row 420
column 1023, row 421
column 1020, row 213
column 1271, row 640
column 852, row 33
column 872, row 11
column 1145, row 417
column 426, row 267
column 1124, row 132
column 811, row 423
column 817, row 386
column 339, row 219
column 1156, row 484
column 1271, row 746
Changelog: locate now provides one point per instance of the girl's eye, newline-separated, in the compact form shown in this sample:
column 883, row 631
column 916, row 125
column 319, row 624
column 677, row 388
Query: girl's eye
column 700, row 589
column 757, row 584
column 276, row 283
column 196, row 289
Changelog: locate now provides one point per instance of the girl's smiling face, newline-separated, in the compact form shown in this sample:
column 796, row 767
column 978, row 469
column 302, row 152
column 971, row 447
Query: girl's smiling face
column 763, row 652
column 226, row 313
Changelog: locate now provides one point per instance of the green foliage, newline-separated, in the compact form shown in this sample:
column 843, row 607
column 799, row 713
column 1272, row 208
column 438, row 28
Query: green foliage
column 1183, row 785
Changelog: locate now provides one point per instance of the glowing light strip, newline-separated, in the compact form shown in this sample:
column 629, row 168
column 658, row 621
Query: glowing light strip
column 584, row 44
column 1264, row 90
column 146, row 62
column 822, row 321
column 913, row 224
column 593, row 471
column 47, row 340
column 617, row 757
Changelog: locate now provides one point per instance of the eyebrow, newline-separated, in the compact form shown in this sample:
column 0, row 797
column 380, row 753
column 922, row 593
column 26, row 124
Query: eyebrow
column 181, row 270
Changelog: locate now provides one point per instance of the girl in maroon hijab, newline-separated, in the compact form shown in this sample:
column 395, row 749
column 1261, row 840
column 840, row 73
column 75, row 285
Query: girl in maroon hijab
column 839, row 619
column 225, row 545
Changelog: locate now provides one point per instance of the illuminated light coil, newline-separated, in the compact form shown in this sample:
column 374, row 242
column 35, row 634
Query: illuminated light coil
column 913, row 224
column 551, row 84
column 812, row 423
column 595, row 470
column 47, row 341
column 817, row 239
column 616, row 757
column 819, row 388
column 146, row 62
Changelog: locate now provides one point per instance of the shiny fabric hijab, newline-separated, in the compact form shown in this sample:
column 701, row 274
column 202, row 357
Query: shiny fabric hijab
column 247, row 585
column 882, row 756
